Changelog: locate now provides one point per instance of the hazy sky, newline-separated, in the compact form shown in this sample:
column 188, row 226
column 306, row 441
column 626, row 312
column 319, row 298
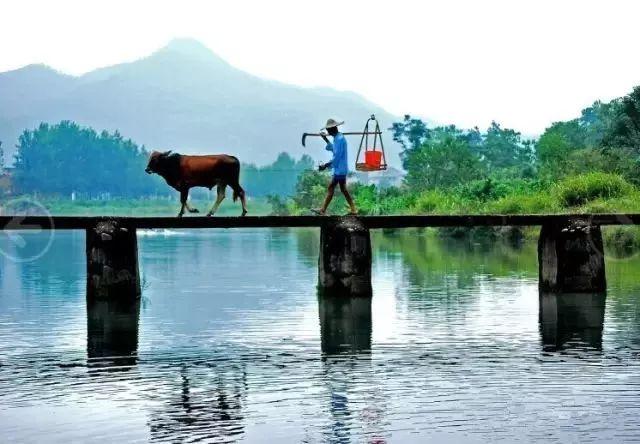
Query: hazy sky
column 524, row 63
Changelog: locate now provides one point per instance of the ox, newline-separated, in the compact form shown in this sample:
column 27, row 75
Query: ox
column 185, row 172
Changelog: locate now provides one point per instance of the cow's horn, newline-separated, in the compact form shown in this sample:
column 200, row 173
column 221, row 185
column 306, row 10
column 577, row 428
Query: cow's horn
column 166, row 153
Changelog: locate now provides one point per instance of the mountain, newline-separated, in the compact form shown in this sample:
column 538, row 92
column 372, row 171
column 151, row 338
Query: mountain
column 185, row 98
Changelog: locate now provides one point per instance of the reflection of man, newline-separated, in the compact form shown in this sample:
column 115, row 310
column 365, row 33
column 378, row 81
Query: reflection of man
column 339, row 164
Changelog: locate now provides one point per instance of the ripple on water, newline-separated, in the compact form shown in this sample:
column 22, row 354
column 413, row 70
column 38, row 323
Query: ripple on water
column 230, row 342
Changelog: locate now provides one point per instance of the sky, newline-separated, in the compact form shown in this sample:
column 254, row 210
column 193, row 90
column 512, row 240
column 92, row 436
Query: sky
column 524, row 63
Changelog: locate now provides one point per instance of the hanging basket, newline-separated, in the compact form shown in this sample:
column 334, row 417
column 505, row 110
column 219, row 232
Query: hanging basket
column 374, row 158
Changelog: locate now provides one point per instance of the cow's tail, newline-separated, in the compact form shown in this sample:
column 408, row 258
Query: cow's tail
column 238, row 191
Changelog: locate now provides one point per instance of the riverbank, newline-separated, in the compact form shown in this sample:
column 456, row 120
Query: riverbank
column 126, row 207
column 589, row 193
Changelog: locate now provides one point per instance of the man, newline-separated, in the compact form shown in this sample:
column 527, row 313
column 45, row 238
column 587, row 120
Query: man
column 339, row 164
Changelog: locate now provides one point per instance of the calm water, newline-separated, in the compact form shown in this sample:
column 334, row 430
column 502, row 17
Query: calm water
column 231, row 343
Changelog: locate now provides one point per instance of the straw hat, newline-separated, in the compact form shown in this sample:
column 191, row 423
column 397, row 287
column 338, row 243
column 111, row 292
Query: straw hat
column 331, row 123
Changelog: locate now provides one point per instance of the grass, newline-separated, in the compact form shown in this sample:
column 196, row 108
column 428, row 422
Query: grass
column 584, row 188
column 143, row 207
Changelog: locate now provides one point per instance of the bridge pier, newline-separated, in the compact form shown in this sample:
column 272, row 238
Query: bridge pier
column 112, row 261
column 571, row 258
column 344, row 266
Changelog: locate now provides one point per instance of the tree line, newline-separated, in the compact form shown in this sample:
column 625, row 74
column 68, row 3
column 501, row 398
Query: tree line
column 67, row 158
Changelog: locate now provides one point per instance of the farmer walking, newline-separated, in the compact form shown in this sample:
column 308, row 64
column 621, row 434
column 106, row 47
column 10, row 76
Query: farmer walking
column 339, row 164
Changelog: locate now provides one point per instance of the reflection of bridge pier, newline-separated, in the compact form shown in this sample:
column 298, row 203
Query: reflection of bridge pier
column 345, row 338
column 569, row 317
column 112, row 332
column 345, row 324
column 206, row 405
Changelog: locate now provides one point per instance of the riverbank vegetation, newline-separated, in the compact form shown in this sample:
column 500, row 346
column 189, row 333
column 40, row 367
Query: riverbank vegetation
column 590, row 164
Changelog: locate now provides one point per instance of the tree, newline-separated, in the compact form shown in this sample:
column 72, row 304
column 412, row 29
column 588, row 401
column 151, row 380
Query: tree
column 444, row 162
column 63, row 158
column 624, row 130
column 410, row 133
column 504, row 148
column 276, row 179
column 553, row 151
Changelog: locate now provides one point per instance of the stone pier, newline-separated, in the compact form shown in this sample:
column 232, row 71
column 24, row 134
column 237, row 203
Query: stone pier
column 571, row 258
column 112, row 261
column 344, row 266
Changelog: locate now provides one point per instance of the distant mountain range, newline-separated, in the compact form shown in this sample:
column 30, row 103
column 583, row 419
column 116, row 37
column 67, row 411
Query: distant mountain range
column 185, row 98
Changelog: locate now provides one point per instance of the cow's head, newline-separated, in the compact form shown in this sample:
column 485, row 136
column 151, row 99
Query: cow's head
column 155, row 160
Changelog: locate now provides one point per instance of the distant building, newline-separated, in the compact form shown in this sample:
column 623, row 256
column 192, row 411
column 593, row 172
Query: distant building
column 6, row 183
column 391, row 177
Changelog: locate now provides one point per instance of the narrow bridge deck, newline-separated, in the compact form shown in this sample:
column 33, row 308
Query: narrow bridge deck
column 79, row 222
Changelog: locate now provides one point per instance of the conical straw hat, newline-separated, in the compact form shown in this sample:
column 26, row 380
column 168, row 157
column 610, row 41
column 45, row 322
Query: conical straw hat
column 331, row 123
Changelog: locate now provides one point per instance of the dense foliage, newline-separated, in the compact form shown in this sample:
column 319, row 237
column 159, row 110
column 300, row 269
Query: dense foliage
column 66, row 158
column 278, row 178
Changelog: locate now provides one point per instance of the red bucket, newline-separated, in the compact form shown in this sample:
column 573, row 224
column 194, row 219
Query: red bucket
column 373, row 159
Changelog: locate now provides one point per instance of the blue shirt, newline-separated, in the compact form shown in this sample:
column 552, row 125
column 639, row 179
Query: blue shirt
column 339, row 163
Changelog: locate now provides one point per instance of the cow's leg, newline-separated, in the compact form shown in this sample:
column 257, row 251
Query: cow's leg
column 184, row 195
column 189, row 208
column 220, row 197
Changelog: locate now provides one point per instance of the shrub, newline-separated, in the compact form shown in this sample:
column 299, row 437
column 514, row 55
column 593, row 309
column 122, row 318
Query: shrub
column 584, row 188
column 523, row 204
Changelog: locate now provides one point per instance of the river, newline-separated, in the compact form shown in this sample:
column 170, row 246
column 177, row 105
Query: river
column 230, row 342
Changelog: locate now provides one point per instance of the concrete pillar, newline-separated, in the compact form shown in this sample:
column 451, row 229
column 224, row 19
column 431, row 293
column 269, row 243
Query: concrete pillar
column 571, row 258
column 112, row 262
column 576, row 318
column 344, row 266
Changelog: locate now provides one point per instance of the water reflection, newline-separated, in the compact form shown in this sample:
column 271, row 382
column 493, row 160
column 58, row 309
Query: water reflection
column 345, row 338
column 112, row 333
column 345, row 324
column 205, row 405
column 449, row 344
column 571, row 320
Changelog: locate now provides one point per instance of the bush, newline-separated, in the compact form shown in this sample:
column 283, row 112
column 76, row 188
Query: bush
column 524, row 204
column 621, row 241
column 584, row 188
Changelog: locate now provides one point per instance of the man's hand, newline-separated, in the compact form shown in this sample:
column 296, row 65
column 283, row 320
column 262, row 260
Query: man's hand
column 324, row 166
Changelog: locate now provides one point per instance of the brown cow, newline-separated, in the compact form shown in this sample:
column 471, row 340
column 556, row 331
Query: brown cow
column 185, row 172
